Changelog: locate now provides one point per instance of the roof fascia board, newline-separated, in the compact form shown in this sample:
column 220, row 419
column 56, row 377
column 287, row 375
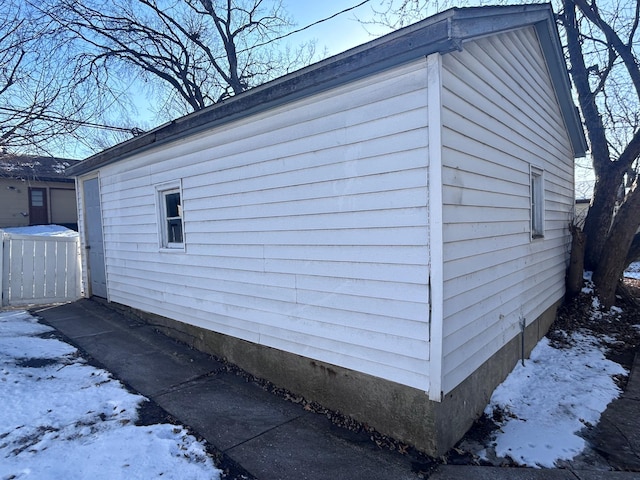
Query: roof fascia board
column 550, row 44
column 475, row 23
column 36, row 178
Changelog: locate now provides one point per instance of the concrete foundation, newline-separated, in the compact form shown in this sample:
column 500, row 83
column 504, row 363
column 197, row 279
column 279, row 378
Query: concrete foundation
column 398, row 411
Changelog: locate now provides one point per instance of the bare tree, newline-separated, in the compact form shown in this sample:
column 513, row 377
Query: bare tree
column 604, row 66
column 604, row 63
column 189, row 53
column 69, row 69
column 43, row 109
column 26, row 94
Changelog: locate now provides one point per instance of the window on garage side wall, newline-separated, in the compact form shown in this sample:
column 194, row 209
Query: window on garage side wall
column 170, row 216
column 537, row 202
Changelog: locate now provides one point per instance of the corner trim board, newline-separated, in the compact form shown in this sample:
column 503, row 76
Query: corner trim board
column 434, row 187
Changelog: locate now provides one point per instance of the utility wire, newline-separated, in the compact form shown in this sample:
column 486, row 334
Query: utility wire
column 136, row 131
column 305, row 27
column 45, row 116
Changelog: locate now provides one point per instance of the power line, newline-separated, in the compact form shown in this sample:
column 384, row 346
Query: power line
column 81, row 123
column 137, row 131
column 305, row 27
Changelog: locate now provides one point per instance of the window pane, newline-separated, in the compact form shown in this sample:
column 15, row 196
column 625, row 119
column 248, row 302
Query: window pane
column 170, row 212
column 173, row 204
column 537, row 205
column 174, row 230
column 37, row 198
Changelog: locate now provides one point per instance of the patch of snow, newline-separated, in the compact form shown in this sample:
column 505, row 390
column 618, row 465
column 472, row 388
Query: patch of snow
column 62, row 418
column 43, row 230
column 633, row 271
column 588, row 283
column 60, row 167
column 549, row 400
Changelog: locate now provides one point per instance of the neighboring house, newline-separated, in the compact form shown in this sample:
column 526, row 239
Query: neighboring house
column 581, row 210
column 35, row 191
column 377, row 232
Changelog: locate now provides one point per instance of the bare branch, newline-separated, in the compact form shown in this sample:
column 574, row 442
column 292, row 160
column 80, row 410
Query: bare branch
column 190, row 46
column 613, row 39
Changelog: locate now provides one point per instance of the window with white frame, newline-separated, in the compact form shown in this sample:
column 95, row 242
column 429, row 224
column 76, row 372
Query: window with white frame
column 537, row 202
column 170, row 216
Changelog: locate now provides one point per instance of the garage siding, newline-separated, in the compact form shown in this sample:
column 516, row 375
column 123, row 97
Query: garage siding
column 305, row 228
column 500, row 118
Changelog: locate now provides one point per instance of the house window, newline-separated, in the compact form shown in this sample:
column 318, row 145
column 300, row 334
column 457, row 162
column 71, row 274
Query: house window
column 537, row 203
column 170, row 213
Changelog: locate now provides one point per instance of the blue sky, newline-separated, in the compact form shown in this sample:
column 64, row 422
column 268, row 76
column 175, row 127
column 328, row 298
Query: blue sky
column 339, row 33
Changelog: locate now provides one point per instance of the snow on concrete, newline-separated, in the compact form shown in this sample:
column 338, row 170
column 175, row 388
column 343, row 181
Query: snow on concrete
column 62, row 418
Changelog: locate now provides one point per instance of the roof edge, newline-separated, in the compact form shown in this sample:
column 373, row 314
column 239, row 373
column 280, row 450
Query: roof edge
column 550, row 43
column 441, row 33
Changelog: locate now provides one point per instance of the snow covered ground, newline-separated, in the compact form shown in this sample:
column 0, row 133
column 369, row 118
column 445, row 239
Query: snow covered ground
column 633, row 271
column 546, row 402
column 62, row 418
column 46, row 230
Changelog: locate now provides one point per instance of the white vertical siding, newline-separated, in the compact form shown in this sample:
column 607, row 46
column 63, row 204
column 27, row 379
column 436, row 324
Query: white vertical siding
column 500, row 115
column 38, row 269
column 305, row 228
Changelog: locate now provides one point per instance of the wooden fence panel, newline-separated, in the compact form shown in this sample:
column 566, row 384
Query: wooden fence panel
column 39, row 269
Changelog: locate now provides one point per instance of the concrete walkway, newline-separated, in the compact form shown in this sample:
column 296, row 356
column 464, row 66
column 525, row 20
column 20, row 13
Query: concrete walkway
column 257, row 434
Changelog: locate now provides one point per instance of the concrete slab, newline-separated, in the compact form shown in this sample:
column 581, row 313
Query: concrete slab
column 594, row 475
column 74, row 323
column 310, row 448
column 617, row 436
column 109, row 347
column 452, row 472
column 89, row 319
column 82, row 310
column 156, row 372
column 147, row 360
column 151, row 340
column 226, row 410
column 181, row 352
column 632, row 391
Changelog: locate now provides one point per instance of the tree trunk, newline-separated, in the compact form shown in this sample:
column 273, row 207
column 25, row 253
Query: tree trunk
column 608, row 179
column 599, row 218
column 613, row 260
column 576, row 262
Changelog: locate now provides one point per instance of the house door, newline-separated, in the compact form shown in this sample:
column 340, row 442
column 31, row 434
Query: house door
column 93, row 237
column 38, row 209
